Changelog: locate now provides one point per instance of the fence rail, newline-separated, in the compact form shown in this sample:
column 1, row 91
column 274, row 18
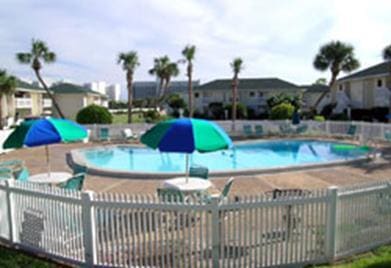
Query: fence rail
column 118, row 230
column 365, row 130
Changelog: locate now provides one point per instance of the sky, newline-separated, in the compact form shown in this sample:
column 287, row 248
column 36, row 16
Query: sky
column 274, row 38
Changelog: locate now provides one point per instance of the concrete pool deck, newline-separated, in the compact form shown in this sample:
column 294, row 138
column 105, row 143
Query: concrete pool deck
column 377, row 170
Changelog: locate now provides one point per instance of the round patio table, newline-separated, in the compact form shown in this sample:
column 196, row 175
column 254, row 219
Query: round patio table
column 193, row 185
column 54, row 178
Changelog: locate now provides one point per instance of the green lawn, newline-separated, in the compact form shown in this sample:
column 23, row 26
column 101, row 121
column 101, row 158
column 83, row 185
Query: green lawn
column 379, row 258
column 123, row 118
column 13, row 259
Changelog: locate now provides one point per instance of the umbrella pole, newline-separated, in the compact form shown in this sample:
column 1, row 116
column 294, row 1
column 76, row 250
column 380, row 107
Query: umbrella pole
column 47, row 159
column 187, row 168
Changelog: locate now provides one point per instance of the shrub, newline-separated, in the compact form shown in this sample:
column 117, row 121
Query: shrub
column 241, row 111
column 282, row 111
column 151, row 116
column 319, row 118
column 94, row 114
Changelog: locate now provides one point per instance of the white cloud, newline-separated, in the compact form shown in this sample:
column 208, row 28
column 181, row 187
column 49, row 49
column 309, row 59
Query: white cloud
column 276, row 39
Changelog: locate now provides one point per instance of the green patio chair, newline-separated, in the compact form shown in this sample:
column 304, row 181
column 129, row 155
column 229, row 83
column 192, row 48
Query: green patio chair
column 227, row 188
column 104, row 134
column 247, row 130
column 22, row 175
column 170, row 195
column 199, row 172
column 259, row 130
column 387, row 136
column 301, row 129
column 6, row 174
column 74, row 183
column 286, row 129
column 352, row 130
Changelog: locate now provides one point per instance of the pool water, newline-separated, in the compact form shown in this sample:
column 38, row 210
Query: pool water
column 244, row 156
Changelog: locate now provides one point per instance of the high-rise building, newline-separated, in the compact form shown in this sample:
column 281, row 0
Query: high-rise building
column 98, row 86
column 114, row 92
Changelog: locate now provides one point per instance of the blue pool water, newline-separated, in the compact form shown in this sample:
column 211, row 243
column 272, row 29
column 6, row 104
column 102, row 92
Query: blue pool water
column 252, row 155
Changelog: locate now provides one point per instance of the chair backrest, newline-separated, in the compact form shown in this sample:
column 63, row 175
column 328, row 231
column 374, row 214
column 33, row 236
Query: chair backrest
column 104, row 133
column 127, row 133
column 76, row 182
column 170, row 195
column 12, row 163
column 302, row 129
column 199, row 172
column 227, row 187
column 78, row 169
column 259, row 129
column 352, row 130
column 22, row 175
column 6, row 173
column 247, row 129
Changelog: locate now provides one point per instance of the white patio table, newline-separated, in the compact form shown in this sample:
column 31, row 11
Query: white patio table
column 193, row 185
column 54, row 178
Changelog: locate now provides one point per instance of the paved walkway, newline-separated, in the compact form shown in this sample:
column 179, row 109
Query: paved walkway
column 250, row 185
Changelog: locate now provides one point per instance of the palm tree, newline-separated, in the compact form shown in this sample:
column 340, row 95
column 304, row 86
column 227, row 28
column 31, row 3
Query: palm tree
column 237, row 66
column 387, row 57
column 7, row 87
column 188, row 52
column 164, row 69
column 40, row 52
column 336, row 56
column 129, row 62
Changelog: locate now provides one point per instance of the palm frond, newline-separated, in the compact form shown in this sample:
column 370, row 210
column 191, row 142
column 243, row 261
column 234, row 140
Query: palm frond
column 189, row 52
column 387, row 53
column 23, row 57
column 49, row 57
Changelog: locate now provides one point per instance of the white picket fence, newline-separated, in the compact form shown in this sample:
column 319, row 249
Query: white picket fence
column 117, row 230
column 365, row 130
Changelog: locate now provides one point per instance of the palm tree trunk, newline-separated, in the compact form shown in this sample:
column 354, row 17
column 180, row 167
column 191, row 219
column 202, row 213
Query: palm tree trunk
column 1, row 111
column 55, row 104
column 129, row 77
column 190, row 90
column 331, row 84
column 234, row 93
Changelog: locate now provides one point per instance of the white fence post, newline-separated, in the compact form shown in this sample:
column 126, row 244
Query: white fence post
column 89, row 232
column 327, row 127
column 331, row 227
column 10, row 212
column 215, row 232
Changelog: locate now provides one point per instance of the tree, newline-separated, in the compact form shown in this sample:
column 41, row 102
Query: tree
column 176, row 103
column 320, row 81
column 129, row 62
column 164, row 70
column 40, row 53
column 237, row 66
column 94, row 114
column 7, row 87
column 335, row 56
column 189, row 52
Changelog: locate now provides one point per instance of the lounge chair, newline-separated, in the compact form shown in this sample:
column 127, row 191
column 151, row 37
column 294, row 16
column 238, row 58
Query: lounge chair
column 352, row 131
column 387, row 136
column 259, row 130
column 128, row 134
column 247, row 130
column 199, row 172
column 286, row 129
column 301, row 129
column 170, row 195
column 22, row 175
column 104, row 134
column 6, row 174
column 17, row 168
column 74, row 183
column 207, row 198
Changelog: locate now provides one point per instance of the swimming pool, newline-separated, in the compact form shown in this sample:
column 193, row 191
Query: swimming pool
column 244, row 157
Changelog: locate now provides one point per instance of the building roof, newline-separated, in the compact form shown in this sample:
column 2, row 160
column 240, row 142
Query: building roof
column 68, row 88
column 316, row 88
column 249, row 83
column 25, row 85
column 378, row 69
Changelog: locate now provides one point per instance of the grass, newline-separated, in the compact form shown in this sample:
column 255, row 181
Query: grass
column 379, row 258
column 13, row 259
column 123, row 118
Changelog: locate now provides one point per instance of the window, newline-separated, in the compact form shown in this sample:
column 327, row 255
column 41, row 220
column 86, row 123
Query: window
column 260, row 94
column 341, row 87
column 196, row 95
column 208, row 94
column 252, row 94
column 379, row 83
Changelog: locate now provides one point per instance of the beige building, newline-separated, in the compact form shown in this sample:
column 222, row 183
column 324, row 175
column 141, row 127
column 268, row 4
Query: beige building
column 252, row 92
column 27, row 101
column 72, row 98
column 366, row 89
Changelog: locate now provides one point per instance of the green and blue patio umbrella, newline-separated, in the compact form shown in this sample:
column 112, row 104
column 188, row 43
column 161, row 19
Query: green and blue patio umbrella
column 186, row 136
column 39, row 132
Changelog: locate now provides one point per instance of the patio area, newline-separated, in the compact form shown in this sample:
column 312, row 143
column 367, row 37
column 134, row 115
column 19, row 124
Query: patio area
column 378, row 170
